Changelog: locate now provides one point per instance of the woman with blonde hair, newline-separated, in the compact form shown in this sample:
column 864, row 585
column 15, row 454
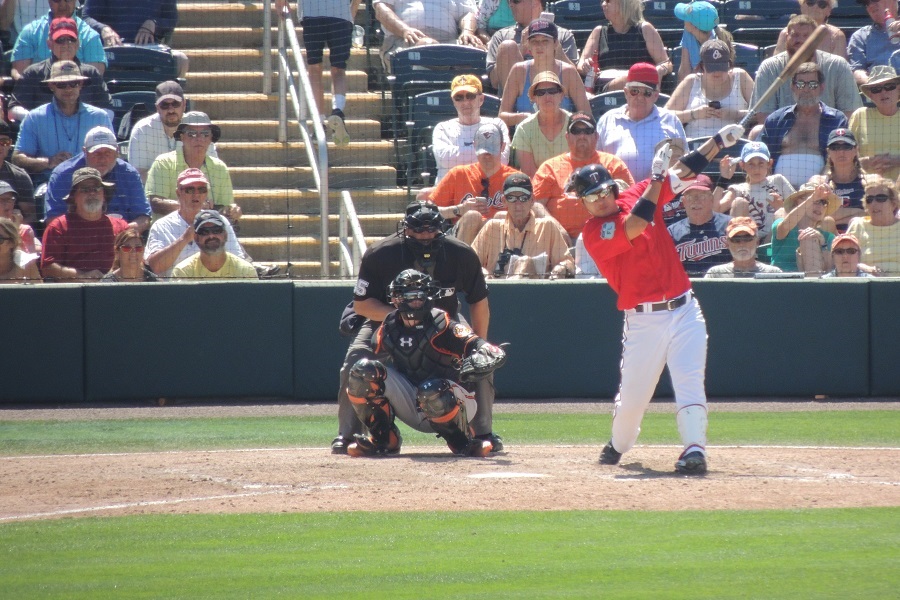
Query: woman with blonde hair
column 801, row 241
column 879, row 232
column 11, row 256
column 626, row 40
column 128, row 264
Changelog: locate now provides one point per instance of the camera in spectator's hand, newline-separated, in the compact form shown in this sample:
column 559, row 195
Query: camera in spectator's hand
column 715, row 104
column 503, row 261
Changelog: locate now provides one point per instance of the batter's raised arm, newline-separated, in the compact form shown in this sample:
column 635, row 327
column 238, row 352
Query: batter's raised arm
column 693, row 163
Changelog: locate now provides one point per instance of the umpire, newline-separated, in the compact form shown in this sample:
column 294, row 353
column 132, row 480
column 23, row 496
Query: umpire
column 420, row 244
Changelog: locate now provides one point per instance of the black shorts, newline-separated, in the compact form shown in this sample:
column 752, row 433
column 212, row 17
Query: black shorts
column 335, row 33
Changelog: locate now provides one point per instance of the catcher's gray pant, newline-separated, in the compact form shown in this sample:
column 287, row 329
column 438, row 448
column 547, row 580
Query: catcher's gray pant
column 651, row 341
column 401, row 394
column 348, row 423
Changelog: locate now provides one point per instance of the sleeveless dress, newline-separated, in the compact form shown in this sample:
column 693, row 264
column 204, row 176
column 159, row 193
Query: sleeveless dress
column 709, row 127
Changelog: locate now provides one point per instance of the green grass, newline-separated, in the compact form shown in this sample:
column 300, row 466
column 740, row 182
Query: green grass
column 816, row 554
column 839, row 428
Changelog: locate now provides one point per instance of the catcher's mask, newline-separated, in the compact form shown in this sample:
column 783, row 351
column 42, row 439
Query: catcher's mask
column 592, row 179
column 422, row 216
column 413, row 293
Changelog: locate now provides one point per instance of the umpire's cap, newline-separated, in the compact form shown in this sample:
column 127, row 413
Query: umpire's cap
column 591, row 179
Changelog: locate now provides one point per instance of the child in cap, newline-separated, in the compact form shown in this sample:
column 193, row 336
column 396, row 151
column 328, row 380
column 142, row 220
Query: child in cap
column 701, row 23
column 761, row 195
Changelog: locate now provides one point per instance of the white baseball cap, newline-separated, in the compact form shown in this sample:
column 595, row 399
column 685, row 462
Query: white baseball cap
column 100, row 137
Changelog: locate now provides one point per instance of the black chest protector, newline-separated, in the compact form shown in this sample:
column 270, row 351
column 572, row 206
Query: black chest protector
column 413, row 352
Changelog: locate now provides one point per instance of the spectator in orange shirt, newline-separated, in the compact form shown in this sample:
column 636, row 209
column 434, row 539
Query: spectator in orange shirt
column 471, row 194
column 551, row 177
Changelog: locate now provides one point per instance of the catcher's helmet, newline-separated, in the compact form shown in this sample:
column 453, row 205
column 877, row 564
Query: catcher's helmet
column 591, row 179
column 410, row 286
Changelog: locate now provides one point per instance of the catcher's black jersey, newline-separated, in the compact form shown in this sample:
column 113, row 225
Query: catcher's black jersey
column 433, row 348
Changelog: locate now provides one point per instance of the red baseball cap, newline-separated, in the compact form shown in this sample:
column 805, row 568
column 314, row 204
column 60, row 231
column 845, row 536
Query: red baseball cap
column 63, row 27
column 643, row 73
column 702, row 182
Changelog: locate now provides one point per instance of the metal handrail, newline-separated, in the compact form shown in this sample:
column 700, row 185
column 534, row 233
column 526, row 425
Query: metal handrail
column 318, row 158
column 351, row 249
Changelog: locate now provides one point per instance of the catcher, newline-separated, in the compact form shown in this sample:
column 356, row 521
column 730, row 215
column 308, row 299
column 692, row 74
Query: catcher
column 432, row 360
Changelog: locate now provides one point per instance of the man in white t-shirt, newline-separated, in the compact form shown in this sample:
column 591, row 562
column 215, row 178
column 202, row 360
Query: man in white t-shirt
column 155, row 135
column 171, row 238
column 453, row 141
column 409, row 23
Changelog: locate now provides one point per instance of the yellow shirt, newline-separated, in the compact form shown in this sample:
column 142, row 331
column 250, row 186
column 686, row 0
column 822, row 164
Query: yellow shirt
column 877, row 134
column 878, row 244
column 234, row 268
column 542, row 235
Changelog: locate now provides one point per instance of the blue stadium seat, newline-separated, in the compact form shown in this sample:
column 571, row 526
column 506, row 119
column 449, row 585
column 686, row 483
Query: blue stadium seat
column 757, row 21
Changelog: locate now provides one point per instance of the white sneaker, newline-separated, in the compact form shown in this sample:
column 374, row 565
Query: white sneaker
column 335, row 123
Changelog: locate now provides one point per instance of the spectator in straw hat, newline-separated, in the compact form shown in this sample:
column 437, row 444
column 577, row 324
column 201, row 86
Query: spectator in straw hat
column 802, row 239
column 79, row 245
column 53, row 132
column 196, row 132
column 100, row 151
column 877, row 129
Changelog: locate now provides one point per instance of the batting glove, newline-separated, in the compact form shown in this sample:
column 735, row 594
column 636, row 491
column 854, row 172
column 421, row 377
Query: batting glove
column 728, row 136
column 660, row 165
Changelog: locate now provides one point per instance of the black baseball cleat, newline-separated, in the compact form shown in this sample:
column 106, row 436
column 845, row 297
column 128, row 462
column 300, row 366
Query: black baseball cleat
column 339, row 445
column 609, row 456
column 692, row 463
column 495, row 440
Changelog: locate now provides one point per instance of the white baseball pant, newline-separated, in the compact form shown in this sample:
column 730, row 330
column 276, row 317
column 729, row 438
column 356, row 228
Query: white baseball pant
column 650, row 341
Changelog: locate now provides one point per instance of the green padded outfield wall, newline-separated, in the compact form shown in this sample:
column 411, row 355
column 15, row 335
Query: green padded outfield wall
column 884, row 338
column 42, row 356
column 195, row 340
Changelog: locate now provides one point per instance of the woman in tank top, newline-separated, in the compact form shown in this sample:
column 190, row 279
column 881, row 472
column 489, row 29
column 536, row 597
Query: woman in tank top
column 626, row 40
column 715, row 96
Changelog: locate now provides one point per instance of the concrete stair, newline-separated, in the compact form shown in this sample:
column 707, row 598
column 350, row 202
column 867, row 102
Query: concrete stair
column 273, row 181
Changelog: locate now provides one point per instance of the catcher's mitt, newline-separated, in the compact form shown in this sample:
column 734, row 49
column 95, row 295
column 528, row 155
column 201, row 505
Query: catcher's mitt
column 481, row 363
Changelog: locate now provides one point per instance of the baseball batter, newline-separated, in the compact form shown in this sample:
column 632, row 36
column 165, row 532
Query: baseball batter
column 628, row 240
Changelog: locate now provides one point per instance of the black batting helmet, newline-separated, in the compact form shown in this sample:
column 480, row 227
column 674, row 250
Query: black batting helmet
column 591, row 179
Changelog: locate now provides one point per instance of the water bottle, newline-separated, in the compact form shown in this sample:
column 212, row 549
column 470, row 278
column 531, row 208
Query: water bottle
column 590, row 78
column 888, row 20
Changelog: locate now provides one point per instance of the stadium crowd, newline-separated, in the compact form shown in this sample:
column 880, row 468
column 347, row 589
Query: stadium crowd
column 820, row 159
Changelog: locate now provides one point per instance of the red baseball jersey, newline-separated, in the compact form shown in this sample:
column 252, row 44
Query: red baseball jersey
column 645, row 269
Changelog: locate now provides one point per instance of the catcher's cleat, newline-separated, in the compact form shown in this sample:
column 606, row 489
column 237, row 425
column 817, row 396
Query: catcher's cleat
column 609, row 456
column 367, row 446
column 692, row 463
column 475, row 447
column 495, row 440
column 339, row 445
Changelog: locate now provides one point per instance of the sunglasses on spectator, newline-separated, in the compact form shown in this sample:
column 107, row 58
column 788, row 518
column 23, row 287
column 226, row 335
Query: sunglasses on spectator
column 93, row 189
column 194, row 190
column 841, row 146
column 813, row 85
column 465, row 96
column 877, row 198
column 582, row 131
column 130, row 249
column 167, row 104
column 60, row 1
column 842, row 251
column 215, row 230
column 821, row 202
column 638, row 91
column 68, row 84
column 517, row 197
column 65, row 40
column 424, row 229
column 742, row 239
column 4, row 239
column 600, row 194
column 821, row 3
column 5, row 142
column 888, row 87
column 205, row 133
column 550, row 90
column 516, row 1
